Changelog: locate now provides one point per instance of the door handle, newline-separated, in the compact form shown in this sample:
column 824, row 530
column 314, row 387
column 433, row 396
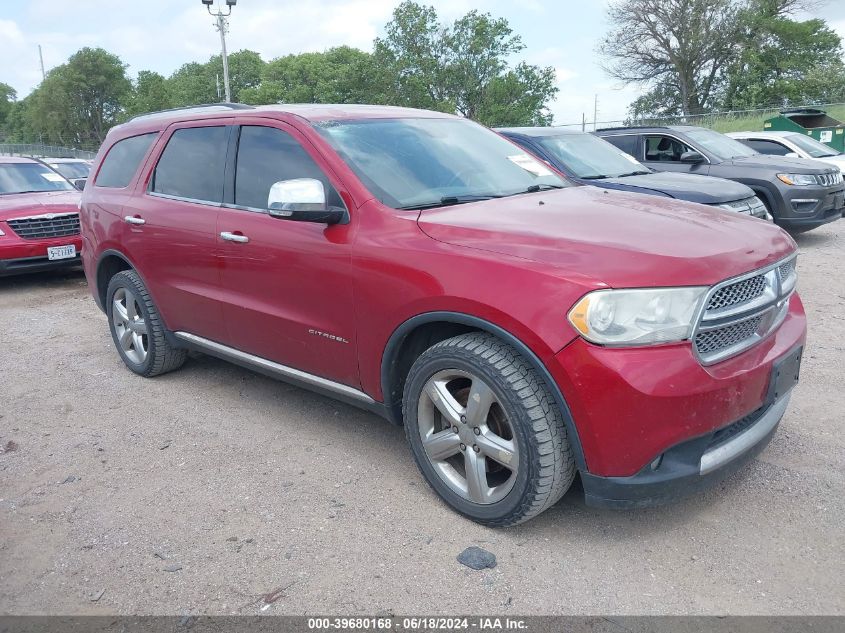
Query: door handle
column 234, row 237
column 132, row 219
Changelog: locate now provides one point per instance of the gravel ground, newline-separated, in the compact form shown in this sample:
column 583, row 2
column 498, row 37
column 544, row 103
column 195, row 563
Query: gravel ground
column 216, row 490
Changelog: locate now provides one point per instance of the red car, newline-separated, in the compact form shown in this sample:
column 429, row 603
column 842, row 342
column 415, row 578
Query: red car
column 39, row 218
column 419, row 265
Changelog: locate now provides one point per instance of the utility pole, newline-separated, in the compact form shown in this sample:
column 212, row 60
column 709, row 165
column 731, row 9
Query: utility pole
column 595, row 112
column 222, row 25
column 41, row 59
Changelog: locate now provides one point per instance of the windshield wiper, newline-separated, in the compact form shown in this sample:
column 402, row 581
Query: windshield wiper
column 633, row 173
column 598, row 177
column 11, row 193
column 446, row 201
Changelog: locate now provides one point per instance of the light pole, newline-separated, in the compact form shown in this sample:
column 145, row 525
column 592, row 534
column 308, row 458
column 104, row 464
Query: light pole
column 222, row 25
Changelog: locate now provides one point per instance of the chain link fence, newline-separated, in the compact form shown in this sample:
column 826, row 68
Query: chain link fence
column 730, row 121
column 44, row 151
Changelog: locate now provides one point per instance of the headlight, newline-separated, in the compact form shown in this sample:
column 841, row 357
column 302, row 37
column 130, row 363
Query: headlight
column 637, row 317
column 799, row 179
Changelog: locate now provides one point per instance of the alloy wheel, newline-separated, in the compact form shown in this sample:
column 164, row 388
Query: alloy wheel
column 129, row 326
column 467, row 436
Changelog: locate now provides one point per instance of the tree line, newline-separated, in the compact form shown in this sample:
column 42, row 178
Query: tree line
column 462, row 67
column 699, row 56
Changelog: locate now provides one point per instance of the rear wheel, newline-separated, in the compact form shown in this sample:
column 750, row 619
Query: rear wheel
column 485, row 432
column 136, row 327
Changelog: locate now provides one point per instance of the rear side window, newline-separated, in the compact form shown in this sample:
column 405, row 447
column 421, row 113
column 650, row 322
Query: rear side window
column 267, row 155
column 627, row 143
column 123, row 159
column 767, row 147
column 191, row 165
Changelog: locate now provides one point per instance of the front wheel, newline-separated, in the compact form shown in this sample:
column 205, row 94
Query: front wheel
column 485, row 432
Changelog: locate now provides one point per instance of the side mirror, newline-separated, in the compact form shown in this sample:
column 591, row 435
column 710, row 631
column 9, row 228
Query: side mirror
column 692, row 157
column 792, row 155
column 79, row 183
column 302, row 200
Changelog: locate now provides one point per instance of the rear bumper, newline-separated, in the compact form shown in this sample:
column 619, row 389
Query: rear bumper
column 689, row 466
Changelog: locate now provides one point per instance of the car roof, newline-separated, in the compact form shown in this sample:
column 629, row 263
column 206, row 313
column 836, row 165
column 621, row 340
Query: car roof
column 772, row 134
column 313, row 112
column 638, row 129
column 17, row 159
column 539, row 131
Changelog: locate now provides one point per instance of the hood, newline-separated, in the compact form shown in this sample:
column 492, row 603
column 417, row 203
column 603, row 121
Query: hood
column 837, row 161
column 690, row 187
column 785, row 164
column 620, row 239
column 17, row 205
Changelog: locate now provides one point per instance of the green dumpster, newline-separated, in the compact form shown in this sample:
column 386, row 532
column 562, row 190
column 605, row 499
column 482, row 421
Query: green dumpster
column 812, row 122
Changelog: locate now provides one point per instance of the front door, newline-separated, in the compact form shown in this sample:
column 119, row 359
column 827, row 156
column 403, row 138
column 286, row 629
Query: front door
column 663, row 153
column 287, row 285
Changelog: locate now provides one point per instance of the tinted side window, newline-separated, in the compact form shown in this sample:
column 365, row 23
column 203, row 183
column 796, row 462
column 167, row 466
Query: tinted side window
column 191, row 165
column 267, row 155
column 767, row 147
column 664, row 149
column 627, row 143
column 123, row 159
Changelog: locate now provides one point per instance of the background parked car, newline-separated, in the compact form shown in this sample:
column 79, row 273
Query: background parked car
column 590, row 160
column 39, row 218
column 791, row 144
column 74, row 169
column 801, row 194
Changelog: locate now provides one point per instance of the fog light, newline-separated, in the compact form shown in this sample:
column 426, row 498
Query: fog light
column 656, row 463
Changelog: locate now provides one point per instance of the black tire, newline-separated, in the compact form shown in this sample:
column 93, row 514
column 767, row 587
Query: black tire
column 547, row 469
column 161, row 357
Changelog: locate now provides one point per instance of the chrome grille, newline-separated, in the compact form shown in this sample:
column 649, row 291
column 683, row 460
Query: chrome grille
column 828, row 180
column 46, row 226
column 737, row 293
column 741, row 312
column 728, row 336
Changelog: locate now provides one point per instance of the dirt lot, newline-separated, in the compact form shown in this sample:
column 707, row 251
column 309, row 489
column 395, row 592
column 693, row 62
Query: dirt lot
column 245, row 487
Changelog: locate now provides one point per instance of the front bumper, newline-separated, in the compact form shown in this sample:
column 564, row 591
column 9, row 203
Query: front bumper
column 631, row 406
column 809, row 207
column 18, row 256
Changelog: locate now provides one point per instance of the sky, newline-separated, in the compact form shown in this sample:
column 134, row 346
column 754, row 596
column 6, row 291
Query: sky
column 161, row 35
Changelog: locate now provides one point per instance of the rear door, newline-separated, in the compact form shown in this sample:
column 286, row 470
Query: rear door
column 663, row 153
column 171, row 226
column 287, row 284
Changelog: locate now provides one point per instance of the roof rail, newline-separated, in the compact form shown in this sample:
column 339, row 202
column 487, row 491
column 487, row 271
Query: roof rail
column 208, row 106
column 633, row 127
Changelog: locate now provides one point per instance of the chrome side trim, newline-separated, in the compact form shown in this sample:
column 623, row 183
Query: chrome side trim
column 283, row 371
column 745, row 441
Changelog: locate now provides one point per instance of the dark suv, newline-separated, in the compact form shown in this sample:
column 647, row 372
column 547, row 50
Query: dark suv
column 801, row 194
column 589, row 160
column 421, row 266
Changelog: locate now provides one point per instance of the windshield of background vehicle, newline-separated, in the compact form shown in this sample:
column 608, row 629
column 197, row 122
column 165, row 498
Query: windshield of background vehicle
column 812, row 146
column 590, row 157
column 427, row 162
column 30, row 177
column 721, row 146
column 72, row 170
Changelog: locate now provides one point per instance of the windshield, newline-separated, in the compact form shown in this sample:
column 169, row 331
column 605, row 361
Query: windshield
column 30, row 177
column 721, row 146
column 590, row 157
column 72, row 170
column 410, row 163
column 812, row 146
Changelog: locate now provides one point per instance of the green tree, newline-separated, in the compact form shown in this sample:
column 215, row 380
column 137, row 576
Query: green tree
column 463, row 67
column 149, row 93
column 783, row 61
column 338, row 75
column 195, row 83
column 8, row 97
column 79, row 101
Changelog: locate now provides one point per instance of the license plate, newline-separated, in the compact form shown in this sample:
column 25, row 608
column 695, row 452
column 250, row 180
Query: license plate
column 785, row 374
column 839, row 201
column 61, row 252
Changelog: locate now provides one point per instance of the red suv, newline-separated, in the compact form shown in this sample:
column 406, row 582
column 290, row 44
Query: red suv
column 423, row 267
column 39, row 218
